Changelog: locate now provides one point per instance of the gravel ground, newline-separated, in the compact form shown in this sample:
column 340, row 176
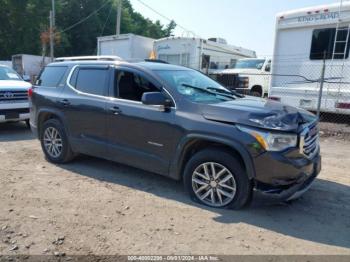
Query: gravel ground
column 93, row 206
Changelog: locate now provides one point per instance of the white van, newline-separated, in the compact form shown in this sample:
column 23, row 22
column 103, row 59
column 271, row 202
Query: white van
column 304, row 38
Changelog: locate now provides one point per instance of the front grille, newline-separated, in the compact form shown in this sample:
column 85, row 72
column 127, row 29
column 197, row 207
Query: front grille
column 10, row 96
column 309, row 141
column 230, row 81
column 19, row 111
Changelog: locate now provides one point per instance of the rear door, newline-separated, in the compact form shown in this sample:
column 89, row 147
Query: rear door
column 84, row 106
column 47, row 90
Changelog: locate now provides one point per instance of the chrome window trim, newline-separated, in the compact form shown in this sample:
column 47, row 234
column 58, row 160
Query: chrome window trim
column 108, row 97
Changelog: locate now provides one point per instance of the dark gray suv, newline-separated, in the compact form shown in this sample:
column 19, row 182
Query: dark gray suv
column 175, row 122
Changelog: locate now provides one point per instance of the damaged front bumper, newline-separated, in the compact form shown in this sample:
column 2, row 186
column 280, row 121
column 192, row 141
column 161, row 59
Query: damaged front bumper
column 291, row 189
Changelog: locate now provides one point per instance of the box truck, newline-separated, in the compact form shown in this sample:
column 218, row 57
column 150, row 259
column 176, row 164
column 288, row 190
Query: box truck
column 29, row 66
column 126, row 46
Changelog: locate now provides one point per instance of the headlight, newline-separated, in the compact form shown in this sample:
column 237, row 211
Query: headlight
column 272, row 141
column 243, row 82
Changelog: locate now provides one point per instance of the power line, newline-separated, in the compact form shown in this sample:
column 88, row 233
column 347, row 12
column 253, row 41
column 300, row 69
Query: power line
column 104, row 26
column 165, row 17
column 84, row 19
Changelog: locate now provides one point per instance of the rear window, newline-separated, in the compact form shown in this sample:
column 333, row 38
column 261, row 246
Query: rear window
column 52, row 76
column 91, row 81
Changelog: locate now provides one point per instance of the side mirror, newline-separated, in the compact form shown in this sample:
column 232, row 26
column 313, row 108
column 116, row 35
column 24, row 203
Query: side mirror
column 268, row 68
column 156, row 99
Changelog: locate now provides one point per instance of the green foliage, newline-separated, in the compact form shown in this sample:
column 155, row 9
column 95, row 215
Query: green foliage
column 23, row 21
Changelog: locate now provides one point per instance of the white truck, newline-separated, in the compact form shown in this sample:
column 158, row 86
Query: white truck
column 199, row 54
column 14, row 104
column 304, row 38
column 126, row 46
column 29, row 66
column 249, row 76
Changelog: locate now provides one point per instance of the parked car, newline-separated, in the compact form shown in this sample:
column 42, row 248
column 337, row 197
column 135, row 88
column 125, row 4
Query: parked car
column 14, row 104
column 249, row 76
column 179, row 123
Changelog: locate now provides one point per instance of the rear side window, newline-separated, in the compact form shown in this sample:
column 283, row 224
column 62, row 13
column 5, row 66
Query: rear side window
column 52, row 76
column 91, row 81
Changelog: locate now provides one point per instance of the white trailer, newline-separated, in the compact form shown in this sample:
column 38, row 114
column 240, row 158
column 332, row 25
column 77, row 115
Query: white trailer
column 126, row 46
column 6, row 63
column 29, row 66
column 303, row 39
column 200, row 54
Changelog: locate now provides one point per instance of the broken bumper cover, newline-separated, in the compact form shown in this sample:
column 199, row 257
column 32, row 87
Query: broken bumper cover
column 295, row 190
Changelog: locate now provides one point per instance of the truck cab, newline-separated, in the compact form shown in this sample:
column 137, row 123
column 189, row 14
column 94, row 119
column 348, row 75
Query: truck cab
column 249, row 76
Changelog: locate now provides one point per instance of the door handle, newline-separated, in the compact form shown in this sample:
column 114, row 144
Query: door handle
column 115, row 110
column 64, row 102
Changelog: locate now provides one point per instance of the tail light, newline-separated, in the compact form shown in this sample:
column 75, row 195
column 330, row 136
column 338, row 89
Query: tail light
column 275, row 98
column 30, row 92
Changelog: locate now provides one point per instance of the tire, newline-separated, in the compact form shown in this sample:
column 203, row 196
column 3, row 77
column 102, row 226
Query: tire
column 255, row 93
column 62, row 152
column 27, row 123
column 235, row 199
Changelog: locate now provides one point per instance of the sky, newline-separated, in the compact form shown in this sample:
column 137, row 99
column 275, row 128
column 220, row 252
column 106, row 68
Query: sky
column 246, row 23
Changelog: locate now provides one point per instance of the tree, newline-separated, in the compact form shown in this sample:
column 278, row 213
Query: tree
column 22, row 23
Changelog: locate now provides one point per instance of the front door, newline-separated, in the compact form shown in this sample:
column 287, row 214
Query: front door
column 139, row 135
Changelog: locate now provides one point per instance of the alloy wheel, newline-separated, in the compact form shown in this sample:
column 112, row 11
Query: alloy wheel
column 214, row 184
column 53, row 142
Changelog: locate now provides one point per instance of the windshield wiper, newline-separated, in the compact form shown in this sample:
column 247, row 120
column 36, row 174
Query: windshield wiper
column 232, row 92
column 209, row 91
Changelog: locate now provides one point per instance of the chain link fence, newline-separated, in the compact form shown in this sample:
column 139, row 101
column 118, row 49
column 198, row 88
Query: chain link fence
column 319, row 87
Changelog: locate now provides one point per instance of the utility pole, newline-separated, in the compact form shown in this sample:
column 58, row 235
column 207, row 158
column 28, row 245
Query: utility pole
column 119, row 14
column 319, row 102
column 52, row 31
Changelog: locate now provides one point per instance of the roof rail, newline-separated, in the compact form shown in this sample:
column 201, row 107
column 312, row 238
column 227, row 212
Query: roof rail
column 88, row 58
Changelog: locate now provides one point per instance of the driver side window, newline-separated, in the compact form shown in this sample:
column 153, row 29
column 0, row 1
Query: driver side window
column 131, row 86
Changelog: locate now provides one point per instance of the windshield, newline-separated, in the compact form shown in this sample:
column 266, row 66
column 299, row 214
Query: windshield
column 250, row 63
column 7, row 73
column 195, row 86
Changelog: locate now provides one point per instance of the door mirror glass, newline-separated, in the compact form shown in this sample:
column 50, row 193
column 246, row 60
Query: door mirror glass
column 268, row 68
column 156, row 99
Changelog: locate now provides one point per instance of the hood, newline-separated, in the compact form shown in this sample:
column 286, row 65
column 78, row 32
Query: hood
column 240, row 71
column 258, row 112
column 14, row 85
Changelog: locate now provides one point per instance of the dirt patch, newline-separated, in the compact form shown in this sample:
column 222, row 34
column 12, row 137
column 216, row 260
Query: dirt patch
column 93, row 206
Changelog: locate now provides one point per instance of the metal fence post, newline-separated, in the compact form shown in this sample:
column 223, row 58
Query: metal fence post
column 321, row 89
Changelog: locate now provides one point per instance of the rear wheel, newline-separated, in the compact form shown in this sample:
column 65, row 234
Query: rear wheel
column 27, row 123
column 215, row 178
column 54, row 142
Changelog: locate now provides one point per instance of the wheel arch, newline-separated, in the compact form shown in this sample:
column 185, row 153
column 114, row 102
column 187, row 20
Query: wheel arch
column 194, row 143
column 258, row 88
column 46, row 114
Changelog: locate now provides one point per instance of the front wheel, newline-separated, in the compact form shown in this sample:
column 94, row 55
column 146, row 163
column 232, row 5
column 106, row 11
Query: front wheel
column 215, row 178
column 54, row 142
